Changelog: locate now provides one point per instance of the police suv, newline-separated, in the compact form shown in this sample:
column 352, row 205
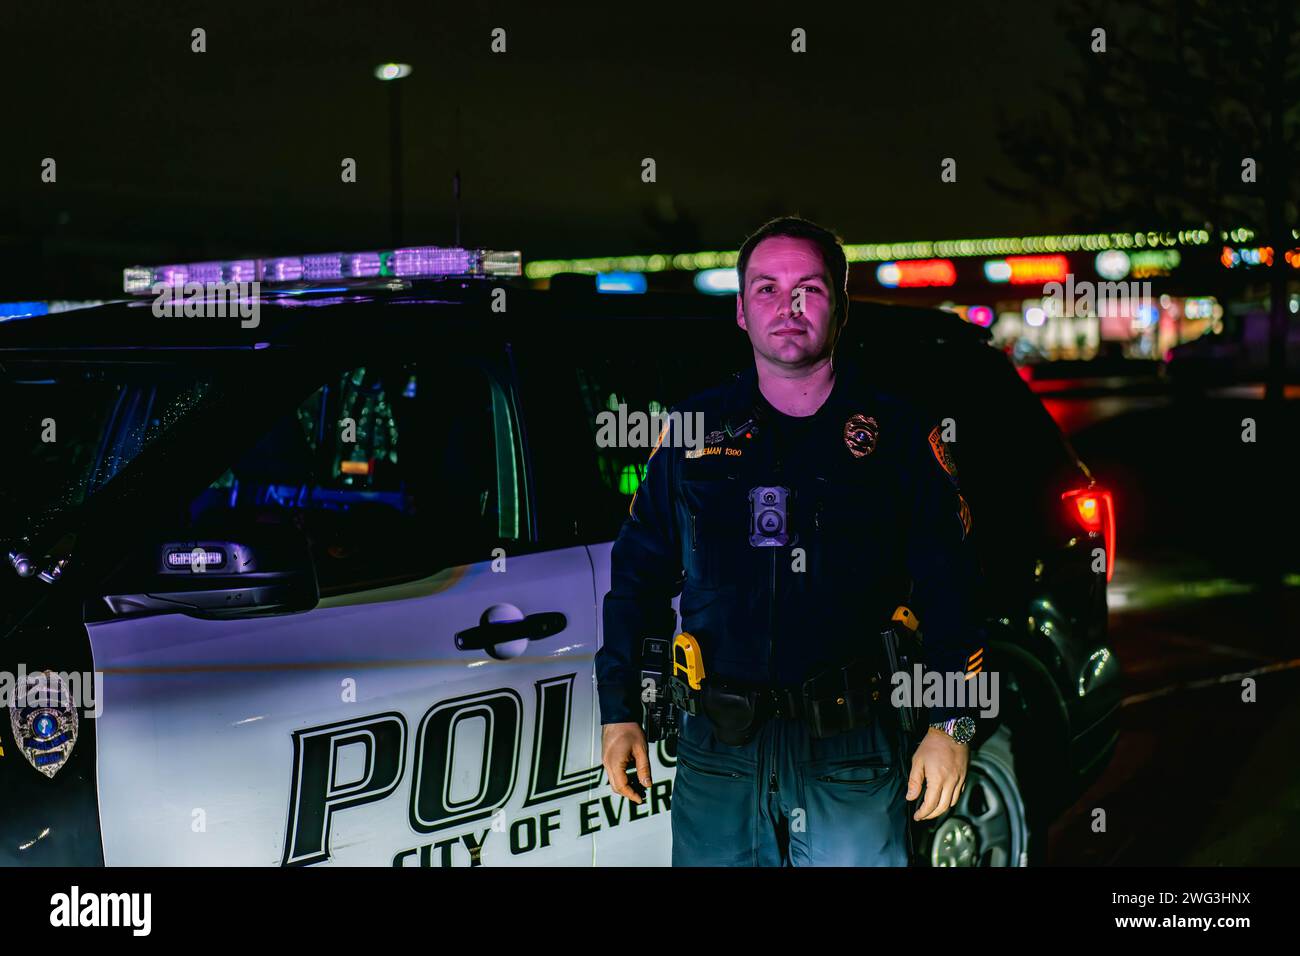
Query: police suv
column 316, row 579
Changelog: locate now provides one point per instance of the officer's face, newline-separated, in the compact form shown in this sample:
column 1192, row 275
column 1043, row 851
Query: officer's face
column 787, row 302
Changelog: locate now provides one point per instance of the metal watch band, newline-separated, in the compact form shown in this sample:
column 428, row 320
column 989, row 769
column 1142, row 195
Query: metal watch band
column 961, row 734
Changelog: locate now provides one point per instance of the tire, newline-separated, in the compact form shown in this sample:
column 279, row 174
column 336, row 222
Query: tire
column 991, row 825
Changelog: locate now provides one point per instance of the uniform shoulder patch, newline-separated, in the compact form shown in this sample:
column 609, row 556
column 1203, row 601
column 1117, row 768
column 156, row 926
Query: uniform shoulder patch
column 942, row 453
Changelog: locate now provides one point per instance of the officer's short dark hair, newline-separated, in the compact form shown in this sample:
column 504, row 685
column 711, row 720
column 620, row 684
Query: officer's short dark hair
column 831, row 246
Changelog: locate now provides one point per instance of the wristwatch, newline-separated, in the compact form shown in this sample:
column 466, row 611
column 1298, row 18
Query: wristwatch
column 960, row 729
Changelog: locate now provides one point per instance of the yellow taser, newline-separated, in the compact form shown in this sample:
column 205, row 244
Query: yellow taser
column 688, row 661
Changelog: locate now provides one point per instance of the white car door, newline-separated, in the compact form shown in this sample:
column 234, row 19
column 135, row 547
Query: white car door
column 441, row 721
column 632, row 835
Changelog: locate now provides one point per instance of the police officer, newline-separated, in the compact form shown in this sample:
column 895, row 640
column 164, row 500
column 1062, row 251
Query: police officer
column 814, row 506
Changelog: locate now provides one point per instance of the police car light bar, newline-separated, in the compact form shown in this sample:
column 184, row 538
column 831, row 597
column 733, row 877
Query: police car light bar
column 416, row 262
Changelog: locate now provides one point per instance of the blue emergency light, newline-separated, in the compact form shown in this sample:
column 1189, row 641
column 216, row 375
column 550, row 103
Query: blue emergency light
column 22, row 310
column 624, row 283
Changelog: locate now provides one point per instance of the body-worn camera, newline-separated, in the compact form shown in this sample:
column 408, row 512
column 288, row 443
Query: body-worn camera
column 769, row 519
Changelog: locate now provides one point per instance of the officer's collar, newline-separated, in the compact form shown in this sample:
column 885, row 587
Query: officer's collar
column 745, row 406
column 743, row 409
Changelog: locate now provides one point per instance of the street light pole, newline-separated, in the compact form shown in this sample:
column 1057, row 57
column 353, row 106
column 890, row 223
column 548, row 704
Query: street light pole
column 390, row 73
column 455, row 179
column 395, row 160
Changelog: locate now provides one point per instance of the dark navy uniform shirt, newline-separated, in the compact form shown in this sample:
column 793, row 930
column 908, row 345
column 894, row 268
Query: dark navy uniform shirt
column 879, row 518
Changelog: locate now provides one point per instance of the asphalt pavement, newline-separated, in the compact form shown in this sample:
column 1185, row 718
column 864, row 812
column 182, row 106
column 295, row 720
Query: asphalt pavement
column 1200, row 776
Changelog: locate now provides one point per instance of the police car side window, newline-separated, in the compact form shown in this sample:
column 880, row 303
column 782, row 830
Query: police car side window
column 622, row 390
column 77, row 428
column 608, row 397
column 392, row 471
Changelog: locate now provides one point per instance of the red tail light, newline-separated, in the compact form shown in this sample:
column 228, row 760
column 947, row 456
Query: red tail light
column 1094, row 510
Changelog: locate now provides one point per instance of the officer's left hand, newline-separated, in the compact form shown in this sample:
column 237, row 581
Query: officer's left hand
column 940, row 762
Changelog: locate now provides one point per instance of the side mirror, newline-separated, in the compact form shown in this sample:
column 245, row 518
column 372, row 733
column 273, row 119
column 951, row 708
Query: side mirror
column 268, row 571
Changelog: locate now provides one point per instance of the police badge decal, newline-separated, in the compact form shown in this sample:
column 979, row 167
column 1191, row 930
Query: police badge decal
column 860, row 434
column 44, row 721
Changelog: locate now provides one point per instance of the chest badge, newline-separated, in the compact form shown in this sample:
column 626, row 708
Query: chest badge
column 860, row 434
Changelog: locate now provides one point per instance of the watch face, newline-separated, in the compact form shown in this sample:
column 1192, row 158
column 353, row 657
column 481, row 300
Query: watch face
column 963, row 730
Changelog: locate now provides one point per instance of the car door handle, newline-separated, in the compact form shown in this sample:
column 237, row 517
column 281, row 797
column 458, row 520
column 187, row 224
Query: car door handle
column 534, row 627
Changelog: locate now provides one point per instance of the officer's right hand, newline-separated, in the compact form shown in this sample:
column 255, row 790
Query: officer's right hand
column 620, row 745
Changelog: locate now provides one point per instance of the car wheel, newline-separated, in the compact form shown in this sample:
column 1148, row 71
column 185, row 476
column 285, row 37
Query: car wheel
column 989, row 826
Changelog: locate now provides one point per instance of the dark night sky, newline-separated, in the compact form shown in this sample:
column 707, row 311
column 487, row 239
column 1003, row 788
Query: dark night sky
column 166, row 154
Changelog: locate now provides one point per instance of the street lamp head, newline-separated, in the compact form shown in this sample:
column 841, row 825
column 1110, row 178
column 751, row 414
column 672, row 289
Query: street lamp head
column 392, row 71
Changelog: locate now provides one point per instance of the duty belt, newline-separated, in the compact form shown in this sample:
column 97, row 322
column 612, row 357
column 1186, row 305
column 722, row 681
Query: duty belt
column 832, row 702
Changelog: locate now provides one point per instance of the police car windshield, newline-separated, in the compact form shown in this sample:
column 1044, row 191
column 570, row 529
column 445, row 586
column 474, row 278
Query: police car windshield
column 75, row 428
